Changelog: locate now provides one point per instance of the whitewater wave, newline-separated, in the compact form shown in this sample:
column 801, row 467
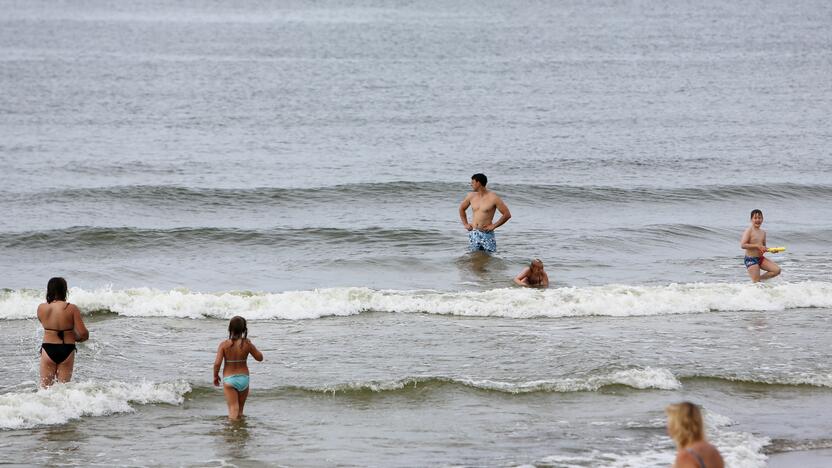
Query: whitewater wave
column 609, row 300
column 635, row 378
column 64, row 402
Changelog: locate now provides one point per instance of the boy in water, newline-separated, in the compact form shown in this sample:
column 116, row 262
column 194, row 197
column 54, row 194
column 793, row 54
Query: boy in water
column 754, row 242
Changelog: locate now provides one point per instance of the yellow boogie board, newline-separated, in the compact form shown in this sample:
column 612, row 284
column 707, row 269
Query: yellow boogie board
column 775, row 249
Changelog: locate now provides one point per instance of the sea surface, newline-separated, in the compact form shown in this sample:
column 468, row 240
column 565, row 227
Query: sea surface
column 301, row 163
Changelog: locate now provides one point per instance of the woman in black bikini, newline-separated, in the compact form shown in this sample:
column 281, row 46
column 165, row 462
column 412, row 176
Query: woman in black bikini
column 686, row 428
column 62, row 328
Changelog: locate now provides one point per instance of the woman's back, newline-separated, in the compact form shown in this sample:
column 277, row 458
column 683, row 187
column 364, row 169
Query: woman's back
column 58, row 320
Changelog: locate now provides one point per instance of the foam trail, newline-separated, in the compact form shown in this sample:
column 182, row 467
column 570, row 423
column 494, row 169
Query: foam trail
column 609, row 300
column 64, row 402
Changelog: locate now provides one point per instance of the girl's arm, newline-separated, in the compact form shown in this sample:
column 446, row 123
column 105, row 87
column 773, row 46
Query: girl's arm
column 255, row 353
column 545, row 280
column 217, row 364
column 520, row 280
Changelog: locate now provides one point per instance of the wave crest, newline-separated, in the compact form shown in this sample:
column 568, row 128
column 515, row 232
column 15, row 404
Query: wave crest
column 609, row 300
column 640, row 379
column 63, row 402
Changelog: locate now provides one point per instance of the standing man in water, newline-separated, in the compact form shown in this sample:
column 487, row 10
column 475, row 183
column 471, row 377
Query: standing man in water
column 484, row 203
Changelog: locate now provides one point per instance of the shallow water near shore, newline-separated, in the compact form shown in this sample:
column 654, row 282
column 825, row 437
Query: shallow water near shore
column 412, row 389
column 302, row 165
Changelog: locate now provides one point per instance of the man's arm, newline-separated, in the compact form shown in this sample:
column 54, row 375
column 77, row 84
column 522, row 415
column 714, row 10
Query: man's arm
column 462, row 215
column 505, row 215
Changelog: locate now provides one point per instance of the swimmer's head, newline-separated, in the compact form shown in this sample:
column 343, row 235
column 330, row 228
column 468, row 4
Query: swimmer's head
column 237, row 328
column 536, row 264
column 56, row 289
column 756, row 217
column 480, row 178
column 684, row 423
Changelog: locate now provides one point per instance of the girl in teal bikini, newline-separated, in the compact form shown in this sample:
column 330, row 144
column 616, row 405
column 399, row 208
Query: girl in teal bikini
column 234, row 352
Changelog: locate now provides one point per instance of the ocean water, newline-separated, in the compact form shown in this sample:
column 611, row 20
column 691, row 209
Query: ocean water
column 301, row 164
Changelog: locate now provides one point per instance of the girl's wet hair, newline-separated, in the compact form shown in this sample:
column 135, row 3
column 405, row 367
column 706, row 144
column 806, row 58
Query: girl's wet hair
column 237, row 329
column 684, row 423
column 56, row 289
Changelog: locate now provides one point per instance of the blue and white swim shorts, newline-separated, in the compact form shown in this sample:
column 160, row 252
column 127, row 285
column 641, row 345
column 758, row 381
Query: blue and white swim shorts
column 482, row 240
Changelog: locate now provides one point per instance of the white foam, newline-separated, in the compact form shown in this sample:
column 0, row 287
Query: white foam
column 641, row 379
column 609, row 300
column 635, row 378
column 647, row 458
column 738, row 449
column 63, row 402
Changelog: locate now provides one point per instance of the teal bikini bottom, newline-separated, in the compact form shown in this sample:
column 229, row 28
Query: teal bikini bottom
column 238, row 381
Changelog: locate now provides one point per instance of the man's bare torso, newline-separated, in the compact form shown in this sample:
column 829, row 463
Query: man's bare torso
column 484, row 206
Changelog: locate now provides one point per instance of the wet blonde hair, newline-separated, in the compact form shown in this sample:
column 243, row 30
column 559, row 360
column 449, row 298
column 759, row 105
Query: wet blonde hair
column 684, row 423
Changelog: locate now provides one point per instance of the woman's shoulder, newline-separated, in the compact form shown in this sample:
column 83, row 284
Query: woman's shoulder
column 692, row 454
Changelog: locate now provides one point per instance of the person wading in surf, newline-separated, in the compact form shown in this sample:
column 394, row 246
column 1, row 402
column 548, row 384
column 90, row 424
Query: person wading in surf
column 484, row 204
column 754, row 242
column 62, row 328
column 686, row 428
column 533, row 275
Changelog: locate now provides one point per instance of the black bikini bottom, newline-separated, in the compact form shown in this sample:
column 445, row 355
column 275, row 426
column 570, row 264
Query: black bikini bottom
column 58, row 352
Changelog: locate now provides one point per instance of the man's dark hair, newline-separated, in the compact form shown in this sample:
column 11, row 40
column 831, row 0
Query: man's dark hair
column 755, row 211
column 481, row 178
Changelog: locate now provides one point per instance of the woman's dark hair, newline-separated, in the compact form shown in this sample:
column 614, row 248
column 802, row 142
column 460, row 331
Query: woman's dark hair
column 56, row 289
column 237, row 329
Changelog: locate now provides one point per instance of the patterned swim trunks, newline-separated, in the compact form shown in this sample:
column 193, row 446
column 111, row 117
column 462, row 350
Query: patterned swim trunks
column 482, row 240
column 750, row 261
